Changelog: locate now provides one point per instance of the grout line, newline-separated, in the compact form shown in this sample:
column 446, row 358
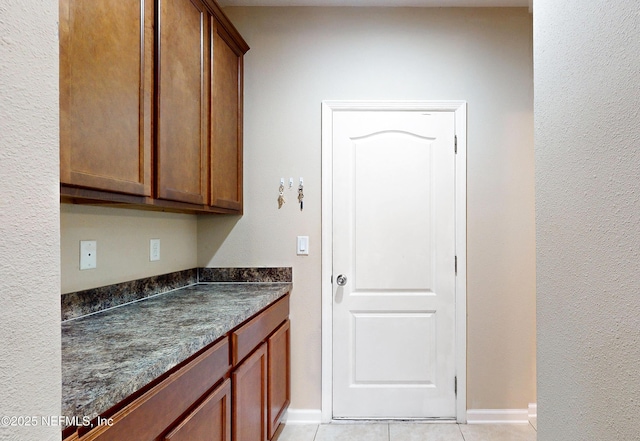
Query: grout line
column 315, row 435
column 461, row 434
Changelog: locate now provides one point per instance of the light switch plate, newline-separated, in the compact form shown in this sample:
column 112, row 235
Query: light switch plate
column 154, row 250
column 303, row 246
column 88, row 254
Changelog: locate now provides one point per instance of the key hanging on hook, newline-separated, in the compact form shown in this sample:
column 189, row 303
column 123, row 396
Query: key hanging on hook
column 281, row 200
column 300, row 195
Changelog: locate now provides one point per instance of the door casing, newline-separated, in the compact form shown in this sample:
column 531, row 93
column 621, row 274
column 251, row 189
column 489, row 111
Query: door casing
column 460, row 114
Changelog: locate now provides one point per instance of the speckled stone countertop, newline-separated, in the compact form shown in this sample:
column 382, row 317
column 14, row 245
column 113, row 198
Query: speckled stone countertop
column 109, row 355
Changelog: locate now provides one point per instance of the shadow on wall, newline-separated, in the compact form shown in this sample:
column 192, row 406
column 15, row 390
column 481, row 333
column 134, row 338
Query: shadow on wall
column 213, row 231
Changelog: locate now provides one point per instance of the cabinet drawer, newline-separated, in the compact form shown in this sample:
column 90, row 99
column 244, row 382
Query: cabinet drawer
column 210, row 421
column 149, row 415
column 246, row 338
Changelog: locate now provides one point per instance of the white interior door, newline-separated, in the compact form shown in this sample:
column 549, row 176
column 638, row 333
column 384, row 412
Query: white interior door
column 393, row 228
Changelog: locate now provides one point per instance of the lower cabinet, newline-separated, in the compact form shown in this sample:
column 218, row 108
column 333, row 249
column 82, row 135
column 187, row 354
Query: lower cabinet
column 210, row 421
column 261, row 388
column 279, row 376
column 238, row 389
column 249, row 381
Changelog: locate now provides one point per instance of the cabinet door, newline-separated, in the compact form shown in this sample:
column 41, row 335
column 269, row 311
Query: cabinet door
column 226, row 121
column 250, row 397
column 279, row 376
column 210, row 421
column 106, row 91
column 183, row 100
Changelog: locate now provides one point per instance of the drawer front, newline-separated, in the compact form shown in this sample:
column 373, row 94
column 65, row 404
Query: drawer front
column 246, row 338
column 151, row 414
column 210, row 421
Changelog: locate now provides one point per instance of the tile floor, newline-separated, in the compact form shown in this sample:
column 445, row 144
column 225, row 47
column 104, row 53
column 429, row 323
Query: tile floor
column 402, row 431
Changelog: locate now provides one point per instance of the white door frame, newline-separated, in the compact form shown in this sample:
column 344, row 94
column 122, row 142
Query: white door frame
column 460, row 114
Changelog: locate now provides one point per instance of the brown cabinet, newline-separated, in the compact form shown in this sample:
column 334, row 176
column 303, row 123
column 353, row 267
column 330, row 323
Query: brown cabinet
column 210, row 421
column 226, row 121
column 106, row 94
column 249, row 381
column 278, row 376
column 172, row 141
column 236, row 389
column 183, row 67
column 261, row 380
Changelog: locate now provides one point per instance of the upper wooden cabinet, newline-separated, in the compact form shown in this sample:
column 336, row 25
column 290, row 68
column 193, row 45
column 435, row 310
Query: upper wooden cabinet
column 183, row 100
column 226, row 120
column 106, row 93
column 151, row 118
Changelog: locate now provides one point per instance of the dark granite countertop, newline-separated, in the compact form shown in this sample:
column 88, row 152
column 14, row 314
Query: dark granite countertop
column 109, row 355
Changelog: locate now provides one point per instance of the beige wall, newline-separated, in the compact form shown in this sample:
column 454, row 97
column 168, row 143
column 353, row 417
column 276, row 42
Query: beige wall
column 588, row 218
column 30, row 374
column 301, row 56
column 122, row 237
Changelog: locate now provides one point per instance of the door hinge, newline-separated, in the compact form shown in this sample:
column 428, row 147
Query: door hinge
column 456, row 264
column 455, row 144
column 455, row 385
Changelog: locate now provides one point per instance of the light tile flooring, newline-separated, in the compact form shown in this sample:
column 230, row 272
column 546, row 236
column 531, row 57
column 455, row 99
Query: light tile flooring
column 407, row 432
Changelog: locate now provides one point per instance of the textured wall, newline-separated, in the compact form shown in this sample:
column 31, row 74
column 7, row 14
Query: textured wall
column 587, row 127
column 122, row 237
column 30, row 376
column 301, row 56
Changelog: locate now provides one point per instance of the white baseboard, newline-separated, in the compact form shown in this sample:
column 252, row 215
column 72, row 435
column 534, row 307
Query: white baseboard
column 474, row 416
column 303, row 416
column 497, row 416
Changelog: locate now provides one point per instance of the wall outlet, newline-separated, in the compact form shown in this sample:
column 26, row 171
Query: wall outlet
column 154, row 250
column 88, row 254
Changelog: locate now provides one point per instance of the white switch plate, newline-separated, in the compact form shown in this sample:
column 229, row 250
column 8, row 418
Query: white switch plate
column 88, row 254
column 303, row 246
column 154, row 250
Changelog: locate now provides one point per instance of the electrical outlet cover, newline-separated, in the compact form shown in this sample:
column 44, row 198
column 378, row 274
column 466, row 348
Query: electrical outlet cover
column 154, row 250
column 88, row 254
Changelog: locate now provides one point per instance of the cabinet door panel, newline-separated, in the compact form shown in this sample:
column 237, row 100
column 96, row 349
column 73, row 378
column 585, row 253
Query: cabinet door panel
column 210, row 421
column 279, row 386
column 106, row 90
column 250, row 398
column 183, row 95
column 226, row 122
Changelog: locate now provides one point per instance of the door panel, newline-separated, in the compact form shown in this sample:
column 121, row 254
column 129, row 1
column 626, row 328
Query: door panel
column 394, row 240
column 106, row 90
column 183, row 96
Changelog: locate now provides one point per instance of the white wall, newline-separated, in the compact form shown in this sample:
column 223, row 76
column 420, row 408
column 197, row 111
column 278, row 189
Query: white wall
column 301, row 56
column 122, row 237
column 30, row 377
column 587, row 127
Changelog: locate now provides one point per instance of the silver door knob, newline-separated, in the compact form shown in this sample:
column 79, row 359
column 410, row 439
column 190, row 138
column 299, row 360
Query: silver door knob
column 341, row 280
